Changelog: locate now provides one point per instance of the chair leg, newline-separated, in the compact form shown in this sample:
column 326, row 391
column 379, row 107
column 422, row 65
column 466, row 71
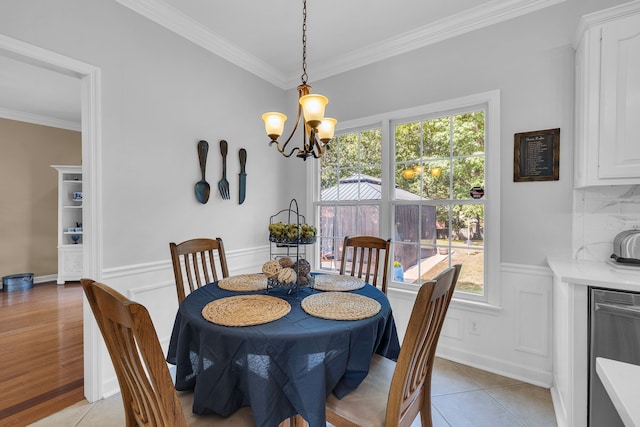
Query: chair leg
column 295, row 421
column 426, row 410
column 425, row 417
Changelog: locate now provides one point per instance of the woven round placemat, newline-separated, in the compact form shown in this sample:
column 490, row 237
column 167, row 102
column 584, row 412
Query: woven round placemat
column 245, row 310
column 340, row 306
column 338, row 283
column 244, row 283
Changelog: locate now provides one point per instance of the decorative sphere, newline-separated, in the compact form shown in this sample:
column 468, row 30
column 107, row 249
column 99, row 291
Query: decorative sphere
column 285, row 262
column 303, row 267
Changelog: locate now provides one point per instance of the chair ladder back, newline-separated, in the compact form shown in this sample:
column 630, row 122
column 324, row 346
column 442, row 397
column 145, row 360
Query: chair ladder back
column 148, row 394
column 191, row 270
column 195, row 259
column 366, row 257
column 410, row 390
column 366, row 251
column 212, row 268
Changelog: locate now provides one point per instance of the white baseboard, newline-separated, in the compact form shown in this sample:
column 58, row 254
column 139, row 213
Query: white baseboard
column 47, row 278
column 506, row 368
column 558, row 406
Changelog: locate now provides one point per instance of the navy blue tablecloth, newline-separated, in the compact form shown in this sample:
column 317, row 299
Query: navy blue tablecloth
column 281, row 368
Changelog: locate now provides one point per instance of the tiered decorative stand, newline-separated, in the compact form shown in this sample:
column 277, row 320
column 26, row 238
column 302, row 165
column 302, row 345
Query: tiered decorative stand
column 292, row 247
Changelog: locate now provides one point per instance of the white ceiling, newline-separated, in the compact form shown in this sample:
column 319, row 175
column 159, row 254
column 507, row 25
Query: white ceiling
column 265, row 38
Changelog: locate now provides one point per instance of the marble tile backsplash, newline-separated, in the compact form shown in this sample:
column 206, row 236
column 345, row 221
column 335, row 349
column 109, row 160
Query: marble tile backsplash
column 598, row 215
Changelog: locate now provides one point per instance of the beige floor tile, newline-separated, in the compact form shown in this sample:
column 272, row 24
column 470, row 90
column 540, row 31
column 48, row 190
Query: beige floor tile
column 528, row 403
column 105, row 413
column 70, row 416
column 473, row 409
column 436, row 418
column 485, row 379
column 448, row 378
column 462, row 397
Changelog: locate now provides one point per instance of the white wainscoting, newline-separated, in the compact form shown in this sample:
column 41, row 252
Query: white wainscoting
column 513, row 340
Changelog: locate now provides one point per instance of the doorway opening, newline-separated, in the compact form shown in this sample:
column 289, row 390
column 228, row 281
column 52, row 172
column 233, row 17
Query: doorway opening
column 89, row 76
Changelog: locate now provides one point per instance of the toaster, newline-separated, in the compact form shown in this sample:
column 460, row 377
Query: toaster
column 626, row 247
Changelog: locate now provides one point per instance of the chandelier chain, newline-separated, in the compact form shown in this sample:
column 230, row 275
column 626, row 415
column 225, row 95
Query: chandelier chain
column 317, row 130
column 304, row 43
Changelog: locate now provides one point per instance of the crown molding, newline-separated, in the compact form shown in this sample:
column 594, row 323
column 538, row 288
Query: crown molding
column 473, row 19
column 36, row 119
column 606, row 15
column 482, row 16
column 174, row 20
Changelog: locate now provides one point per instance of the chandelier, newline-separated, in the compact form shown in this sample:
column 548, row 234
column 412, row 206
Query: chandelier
column 318, row 130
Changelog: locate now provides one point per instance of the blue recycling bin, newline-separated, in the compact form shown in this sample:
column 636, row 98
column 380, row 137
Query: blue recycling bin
column 17, row 282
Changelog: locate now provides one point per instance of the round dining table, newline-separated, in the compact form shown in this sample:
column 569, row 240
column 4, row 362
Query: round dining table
column 282, row 368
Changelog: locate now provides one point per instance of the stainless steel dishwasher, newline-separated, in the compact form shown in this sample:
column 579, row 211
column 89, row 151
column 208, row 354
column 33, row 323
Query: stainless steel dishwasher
column 614, row 333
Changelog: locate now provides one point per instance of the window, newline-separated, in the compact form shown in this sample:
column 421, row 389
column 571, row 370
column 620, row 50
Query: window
column 439, row 166
column 350, row 192
column 426, row 177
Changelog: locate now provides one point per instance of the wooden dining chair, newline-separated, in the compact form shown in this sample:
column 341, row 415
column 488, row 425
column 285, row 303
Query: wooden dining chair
column 197, row 258
column 364, row 253
column 393, row 393
column 147, row 391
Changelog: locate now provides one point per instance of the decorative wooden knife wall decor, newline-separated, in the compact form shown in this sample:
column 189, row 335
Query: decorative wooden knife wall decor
column 242, row 175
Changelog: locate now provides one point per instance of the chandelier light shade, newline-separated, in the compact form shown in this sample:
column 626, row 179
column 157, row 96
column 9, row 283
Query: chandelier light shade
column 313, row 108
column 317, row 130
column 326, row 129
column 274, row 124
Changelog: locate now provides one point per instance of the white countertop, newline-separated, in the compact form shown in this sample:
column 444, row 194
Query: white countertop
column 602, row 274
column 622, row 382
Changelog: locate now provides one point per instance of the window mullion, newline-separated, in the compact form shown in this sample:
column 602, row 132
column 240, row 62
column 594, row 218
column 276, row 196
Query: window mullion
column 386, row 176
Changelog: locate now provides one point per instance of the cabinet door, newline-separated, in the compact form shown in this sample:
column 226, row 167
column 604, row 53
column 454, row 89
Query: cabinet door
column 619, row 148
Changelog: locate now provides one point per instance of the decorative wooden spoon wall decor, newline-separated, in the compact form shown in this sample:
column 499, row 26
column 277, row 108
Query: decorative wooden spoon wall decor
column 202, row 187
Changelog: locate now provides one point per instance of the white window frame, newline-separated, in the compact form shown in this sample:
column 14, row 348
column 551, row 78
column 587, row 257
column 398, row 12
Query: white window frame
column 490, row 101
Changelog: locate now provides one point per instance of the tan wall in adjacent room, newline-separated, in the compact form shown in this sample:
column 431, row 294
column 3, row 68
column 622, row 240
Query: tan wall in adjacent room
column 29, row 194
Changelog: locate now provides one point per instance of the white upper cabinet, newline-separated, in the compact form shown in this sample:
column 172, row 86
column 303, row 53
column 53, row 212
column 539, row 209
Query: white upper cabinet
column 608, row 98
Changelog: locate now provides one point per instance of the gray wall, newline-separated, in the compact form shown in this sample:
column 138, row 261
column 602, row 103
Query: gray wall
column 160, row 95
column 530, row 60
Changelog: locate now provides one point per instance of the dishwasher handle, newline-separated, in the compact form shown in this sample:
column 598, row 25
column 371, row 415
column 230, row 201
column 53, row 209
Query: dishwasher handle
column 624, row 310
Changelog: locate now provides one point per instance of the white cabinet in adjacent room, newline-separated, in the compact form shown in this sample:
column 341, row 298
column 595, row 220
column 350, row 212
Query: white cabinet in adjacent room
column 70, row 229
column 608, row 98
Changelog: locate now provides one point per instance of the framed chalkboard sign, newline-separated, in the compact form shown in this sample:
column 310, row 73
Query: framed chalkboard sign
column 536, row 156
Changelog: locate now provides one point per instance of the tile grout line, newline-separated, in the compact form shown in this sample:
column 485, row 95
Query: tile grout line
column 517, row 418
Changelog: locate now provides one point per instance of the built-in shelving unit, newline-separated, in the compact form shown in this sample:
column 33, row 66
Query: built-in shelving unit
column 70, row 229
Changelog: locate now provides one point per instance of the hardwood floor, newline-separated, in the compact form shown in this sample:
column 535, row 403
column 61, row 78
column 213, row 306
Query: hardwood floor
column 41, row 352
